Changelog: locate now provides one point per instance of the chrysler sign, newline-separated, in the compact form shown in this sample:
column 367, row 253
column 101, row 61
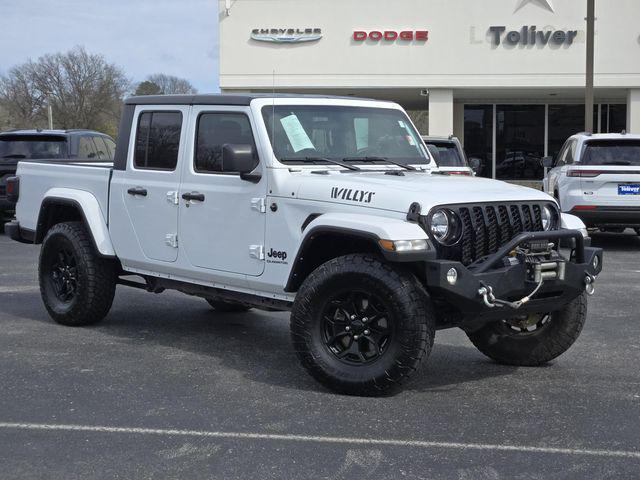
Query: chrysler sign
column 286, row 35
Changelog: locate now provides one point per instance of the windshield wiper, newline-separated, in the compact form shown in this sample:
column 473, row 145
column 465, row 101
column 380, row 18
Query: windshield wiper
column 320, row 159
column 378, row 159
column 619, row 162
column 14, row 155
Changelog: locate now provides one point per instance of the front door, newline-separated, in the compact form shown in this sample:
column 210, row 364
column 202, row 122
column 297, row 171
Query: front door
column 148, row 189
column 222, row 217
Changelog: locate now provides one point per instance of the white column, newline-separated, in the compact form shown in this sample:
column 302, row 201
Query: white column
column 440, row 111
column 458, row 121
column 633, row 111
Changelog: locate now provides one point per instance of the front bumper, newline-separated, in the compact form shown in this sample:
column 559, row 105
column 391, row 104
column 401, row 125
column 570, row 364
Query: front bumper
column 513, row 282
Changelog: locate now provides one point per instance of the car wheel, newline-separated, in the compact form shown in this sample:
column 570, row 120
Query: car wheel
column 533, row 339
column 76, row 284
column 227, row 306
column 361, row 326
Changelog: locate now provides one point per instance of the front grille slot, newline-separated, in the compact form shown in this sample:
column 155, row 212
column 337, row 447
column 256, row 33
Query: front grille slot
column 486, row 228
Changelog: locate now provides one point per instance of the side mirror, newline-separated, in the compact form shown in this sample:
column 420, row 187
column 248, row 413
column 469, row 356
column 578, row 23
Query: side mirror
column 476, row 165
column 547, row 162
column 241, row 158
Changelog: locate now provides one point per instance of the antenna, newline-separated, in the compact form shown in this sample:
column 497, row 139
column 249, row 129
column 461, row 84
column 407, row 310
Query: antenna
column 273, row 109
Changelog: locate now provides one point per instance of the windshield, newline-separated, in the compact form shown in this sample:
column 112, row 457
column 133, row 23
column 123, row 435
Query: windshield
column 612, row 152
column 32, row 146
column 446, row 154
column 344, row 133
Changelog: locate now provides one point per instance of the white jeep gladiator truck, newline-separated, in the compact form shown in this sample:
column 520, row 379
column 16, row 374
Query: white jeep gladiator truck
column 325, row 206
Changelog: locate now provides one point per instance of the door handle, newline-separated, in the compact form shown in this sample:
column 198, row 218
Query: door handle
column 193, row 196
column 137, row 191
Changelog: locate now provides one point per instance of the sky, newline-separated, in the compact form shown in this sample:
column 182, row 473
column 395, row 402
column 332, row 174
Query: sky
column 176, row 37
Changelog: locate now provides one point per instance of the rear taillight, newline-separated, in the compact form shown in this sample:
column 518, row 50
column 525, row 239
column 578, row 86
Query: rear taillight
column 459, row 172
column 13, row 189
column 583, row 173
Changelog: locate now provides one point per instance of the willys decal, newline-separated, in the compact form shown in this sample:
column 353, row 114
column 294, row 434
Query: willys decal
column 352, row 195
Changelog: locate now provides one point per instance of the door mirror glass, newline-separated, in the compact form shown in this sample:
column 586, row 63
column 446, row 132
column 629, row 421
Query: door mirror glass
column 476, row 165
column 547, row 162
column 240, row 158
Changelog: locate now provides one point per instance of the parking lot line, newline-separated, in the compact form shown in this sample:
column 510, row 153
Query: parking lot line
column 19, row 288
column 320, row 439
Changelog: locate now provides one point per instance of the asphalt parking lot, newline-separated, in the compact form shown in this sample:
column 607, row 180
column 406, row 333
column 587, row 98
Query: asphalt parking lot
column 166, row 388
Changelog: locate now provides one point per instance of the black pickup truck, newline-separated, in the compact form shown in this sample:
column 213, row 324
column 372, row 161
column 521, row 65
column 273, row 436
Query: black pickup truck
column 16, row 145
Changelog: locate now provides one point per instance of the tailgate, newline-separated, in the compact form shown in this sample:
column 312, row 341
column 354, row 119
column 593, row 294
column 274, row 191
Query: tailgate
column 610, row 185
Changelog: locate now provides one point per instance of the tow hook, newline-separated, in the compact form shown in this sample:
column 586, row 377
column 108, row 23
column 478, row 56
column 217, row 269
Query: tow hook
column 486, row 292
column 490, row 300
column 589, row 284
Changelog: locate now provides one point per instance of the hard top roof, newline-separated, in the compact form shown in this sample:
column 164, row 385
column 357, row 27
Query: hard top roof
column 221, row 99
column 43, row 132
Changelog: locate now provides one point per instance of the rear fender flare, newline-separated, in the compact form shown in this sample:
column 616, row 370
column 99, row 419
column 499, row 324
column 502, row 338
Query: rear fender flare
column 87, row 204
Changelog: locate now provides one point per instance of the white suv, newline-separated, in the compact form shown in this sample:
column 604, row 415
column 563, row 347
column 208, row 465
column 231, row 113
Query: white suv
column 597, row 178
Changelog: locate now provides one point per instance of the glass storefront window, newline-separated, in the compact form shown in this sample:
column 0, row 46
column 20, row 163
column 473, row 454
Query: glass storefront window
column 613, row 117
column 617, row 118
column 478, row 133
column 519, row 142
column 520, row 134
column 564, row 121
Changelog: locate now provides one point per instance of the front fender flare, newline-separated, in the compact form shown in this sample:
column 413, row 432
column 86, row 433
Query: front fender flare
column 368, row 227
column 91, row 213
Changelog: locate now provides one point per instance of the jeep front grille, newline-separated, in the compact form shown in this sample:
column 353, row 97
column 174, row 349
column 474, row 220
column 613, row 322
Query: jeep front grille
column 485, row 228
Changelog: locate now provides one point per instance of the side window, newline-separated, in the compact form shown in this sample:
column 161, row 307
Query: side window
column 157, row 140
column 86, row 148
column 571, row 153
column 212, row 132
column 101, row 148
column 111, row 147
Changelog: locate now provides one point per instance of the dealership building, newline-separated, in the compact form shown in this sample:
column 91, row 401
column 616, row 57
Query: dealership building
column 505, row 76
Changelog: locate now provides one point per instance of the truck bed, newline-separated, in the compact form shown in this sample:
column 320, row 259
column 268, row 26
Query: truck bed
column 43, row 179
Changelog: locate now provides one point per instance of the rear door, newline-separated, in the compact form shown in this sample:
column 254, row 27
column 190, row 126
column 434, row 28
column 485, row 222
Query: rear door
column 222, row 226
column 147, row 191
column 610, row 172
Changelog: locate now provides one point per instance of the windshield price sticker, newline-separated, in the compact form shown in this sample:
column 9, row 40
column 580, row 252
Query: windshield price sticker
column 295, row 133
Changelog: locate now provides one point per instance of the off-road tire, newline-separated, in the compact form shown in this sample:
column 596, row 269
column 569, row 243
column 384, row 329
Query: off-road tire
column 224, row 306
column 498, row 341
column 96, row 276
column 407, row 304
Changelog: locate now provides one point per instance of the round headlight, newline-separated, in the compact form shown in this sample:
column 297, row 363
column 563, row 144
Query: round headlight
column 440, row 225
column 445, row 226
column 547, row 218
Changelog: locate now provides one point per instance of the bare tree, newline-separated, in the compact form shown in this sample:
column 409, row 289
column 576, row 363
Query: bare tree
column 169, row 85
column 85, row 91
column 22, row 104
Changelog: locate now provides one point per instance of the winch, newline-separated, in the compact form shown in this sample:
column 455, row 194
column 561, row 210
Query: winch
column 543, row 264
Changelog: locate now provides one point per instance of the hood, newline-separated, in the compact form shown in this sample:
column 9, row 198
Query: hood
column 398, row 192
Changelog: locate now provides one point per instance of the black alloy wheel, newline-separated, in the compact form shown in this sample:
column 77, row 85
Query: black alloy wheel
column 63, row 274
column 528, row 323
column 356, row 327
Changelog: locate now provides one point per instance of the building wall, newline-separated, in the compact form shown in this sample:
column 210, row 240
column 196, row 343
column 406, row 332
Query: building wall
column 460, row 51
